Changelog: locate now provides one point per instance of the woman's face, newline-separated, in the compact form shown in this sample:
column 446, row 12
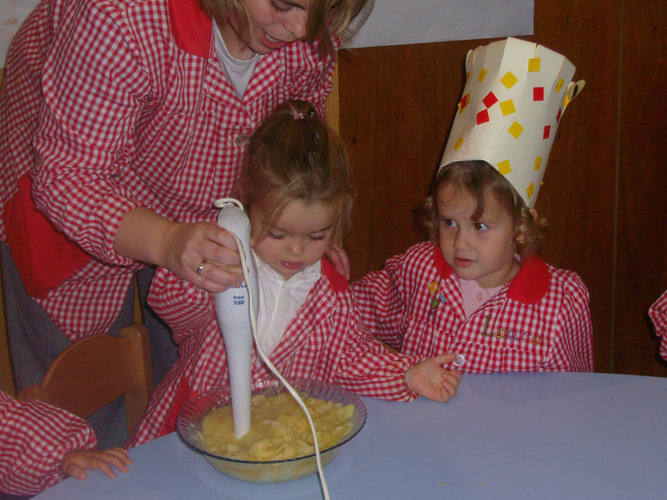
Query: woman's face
column 273, row 24
column 299, row 238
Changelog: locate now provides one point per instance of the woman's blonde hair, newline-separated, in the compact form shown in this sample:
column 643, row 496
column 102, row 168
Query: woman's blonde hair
column 480, row 180
column 294, row 155
column 326, row 18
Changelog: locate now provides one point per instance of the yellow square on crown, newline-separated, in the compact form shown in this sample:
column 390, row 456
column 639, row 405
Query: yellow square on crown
column 515, row 129
column 509, row 80
column 559, row 85
column 504, row 167
column 507, row 107
column 534, row 64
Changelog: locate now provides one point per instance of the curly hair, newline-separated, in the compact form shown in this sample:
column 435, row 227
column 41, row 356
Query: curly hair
column 480, row 180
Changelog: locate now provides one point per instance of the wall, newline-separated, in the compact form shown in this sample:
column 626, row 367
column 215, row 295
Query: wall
column 604, row 190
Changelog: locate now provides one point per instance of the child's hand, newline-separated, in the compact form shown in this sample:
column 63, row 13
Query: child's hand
column 76, row 462
column 431, row 380
column 340, row 260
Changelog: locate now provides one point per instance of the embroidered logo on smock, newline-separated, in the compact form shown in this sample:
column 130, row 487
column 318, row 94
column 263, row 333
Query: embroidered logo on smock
column 436, row 295
column 509, row 334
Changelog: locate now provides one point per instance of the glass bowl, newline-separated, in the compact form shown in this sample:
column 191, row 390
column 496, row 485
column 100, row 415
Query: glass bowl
column 188, row 427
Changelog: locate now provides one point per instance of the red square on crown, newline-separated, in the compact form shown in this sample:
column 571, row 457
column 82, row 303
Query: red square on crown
column 547, row 132
column 490, row 100
column 482, row 117
column 538, row 93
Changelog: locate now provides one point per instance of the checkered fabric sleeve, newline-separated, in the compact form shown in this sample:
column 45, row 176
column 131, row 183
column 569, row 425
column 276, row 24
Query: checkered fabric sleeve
column 185, row 307
column 381, row 307
column 658, row 314
column 34, row 438
column 573, row 351
column 386, row 297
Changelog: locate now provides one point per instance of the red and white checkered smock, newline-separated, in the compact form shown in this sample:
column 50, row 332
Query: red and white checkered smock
column 136, row 111
column 34, row 438
column 324, row 341
column 658, row 314
column 539, row 321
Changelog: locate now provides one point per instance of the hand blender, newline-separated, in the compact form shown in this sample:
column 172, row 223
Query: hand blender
column 232, row 309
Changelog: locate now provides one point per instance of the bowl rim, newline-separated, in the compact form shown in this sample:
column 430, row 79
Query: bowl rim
column 265, row 384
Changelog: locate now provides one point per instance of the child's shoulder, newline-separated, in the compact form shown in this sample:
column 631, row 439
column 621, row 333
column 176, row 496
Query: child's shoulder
column 418, row 260
column 566, row 279
column 424, row 250
column 563, row 275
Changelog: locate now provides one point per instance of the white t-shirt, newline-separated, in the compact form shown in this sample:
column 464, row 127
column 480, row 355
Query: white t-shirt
column 238, row 71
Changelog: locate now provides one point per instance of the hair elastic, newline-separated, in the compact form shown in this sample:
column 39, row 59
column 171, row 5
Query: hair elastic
column 298, row 115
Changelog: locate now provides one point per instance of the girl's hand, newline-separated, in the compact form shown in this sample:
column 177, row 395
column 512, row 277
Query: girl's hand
column 76, row 462
column 429, row 379
column 340, row 260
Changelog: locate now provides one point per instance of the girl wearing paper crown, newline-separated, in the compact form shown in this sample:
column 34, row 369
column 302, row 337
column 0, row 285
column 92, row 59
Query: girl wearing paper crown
column 478, row 288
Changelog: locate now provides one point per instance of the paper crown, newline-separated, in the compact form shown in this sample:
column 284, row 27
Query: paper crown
column 513, row 100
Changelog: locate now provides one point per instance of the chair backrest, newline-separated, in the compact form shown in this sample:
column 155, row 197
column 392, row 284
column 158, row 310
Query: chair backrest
column 94, row 371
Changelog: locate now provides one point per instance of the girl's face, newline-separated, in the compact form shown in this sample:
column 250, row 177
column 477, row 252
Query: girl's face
column 298, row 239
column 273, row 24
column 481, row 250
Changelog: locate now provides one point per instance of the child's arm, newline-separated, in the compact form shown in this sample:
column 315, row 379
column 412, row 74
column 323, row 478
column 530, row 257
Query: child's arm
column 365, row 365
column 430, row 379
column 658, row 314
column 75, row 463
column 381, row 306
column 574, row 350
column 34, row 438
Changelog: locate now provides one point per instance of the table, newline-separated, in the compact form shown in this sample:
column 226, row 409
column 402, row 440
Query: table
column 522, row 435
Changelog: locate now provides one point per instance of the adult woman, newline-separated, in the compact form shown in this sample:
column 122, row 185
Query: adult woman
column 123, row 122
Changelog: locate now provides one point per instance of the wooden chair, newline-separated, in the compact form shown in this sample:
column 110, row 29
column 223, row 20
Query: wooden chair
column 94, row 371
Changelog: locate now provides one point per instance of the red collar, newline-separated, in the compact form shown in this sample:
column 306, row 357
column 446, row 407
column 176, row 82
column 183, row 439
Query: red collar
column 338, row 282
column 191, row 27
column 529, row 286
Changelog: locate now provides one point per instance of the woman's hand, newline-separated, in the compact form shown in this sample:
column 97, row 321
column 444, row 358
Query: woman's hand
column 202, row 253
column 429, row 379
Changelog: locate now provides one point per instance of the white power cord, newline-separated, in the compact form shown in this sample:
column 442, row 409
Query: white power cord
column 253, row 326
